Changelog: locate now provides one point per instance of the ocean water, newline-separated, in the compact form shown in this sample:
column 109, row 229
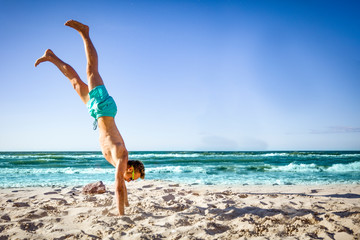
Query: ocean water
column 20, row 169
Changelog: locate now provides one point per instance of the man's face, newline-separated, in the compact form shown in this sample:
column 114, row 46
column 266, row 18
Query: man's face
column 128, row 175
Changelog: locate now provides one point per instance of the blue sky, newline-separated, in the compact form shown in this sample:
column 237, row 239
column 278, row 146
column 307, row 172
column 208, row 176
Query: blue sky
column 186, row 75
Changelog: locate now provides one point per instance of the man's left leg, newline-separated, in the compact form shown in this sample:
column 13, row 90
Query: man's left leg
column 80, row 87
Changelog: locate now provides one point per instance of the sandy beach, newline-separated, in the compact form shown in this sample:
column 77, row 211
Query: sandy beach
column 165, row 210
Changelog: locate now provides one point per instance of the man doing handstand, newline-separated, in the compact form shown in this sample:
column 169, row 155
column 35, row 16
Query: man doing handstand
column 103, row 108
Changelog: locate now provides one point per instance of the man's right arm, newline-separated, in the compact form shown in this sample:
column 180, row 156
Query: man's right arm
column 119, row 179
column 119, row 188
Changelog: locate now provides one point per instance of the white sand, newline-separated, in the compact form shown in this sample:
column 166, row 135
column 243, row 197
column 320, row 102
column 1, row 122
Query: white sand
column 162, row 210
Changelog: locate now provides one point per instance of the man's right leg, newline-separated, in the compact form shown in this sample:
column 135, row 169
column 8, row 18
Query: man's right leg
column 94, row 78
column 80, row 87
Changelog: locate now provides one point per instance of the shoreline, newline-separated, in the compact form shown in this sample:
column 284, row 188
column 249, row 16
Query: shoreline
column 168, row 210
column 236, row 186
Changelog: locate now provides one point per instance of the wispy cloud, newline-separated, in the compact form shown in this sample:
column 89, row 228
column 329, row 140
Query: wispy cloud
column 336, row 129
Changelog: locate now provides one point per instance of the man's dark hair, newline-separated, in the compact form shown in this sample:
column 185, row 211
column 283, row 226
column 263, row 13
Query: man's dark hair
column 138, row 166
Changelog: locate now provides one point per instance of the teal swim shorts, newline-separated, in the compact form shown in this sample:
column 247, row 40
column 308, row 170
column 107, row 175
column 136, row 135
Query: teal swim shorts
column 100, row 103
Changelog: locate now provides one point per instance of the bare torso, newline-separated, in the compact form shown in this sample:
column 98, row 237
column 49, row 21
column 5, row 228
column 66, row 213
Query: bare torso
column 111, row 142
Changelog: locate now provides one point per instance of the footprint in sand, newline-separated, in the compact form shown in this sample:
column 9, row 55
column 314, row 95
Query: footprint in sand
column 6, row 218
column 227, row 192
column 215, row 228
column 48, row 208
column 127, row 220
column 315, row 190
column 49, row 193
column 186, row 201
column 36, row 214
column 168, row 198
column 21, row 204
column 30, row 227
column 211, row 205
column 174, row 185
column 243, row 195
column 182, row 192
column 60, row 201
column 273, row 195
column 228, row 201
column 169, row 190
column 182, row 221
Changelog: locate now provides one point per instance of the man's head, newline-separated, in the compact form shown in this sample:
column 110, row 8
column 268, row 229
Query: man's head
column 135, row 170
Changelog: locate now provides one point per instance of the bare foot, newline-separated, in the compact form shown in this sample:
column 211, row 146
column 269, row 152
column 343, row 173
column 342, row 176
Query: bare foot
column 48, row 56
column 78, row 26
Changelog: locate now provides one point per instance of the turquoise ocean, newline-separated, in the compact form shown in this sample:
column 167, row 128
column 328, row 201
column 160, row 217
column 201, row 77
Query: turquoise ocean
column 23, row 169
